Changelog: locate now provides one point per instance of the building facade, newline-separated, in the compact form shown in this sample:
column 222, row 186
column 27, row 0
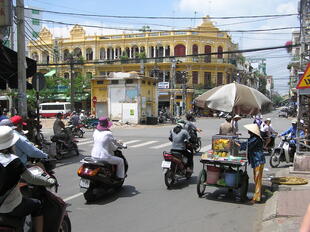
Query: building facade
column 181, row 61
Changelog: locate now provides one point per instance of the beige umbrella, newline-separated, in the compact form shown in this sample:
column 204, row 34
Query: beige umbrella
column 233, row 97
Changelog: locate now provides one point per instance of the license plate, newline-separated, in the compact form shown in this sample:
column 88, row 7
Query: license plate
column 166, row 164
column 84, row 183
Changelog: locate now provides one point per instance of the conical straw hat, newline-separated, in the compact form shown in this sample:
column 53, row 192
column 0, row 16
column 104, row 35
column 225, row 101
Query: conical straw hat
column 253, row 128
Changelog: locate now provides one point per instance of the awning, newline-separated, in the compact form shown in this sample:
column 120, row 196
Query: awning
column 8, row 67
column 50, row 73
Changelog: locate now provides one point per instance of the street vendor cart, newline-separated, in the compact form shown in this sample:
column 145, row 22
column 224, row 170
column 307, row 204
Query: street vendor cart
column 225, row 166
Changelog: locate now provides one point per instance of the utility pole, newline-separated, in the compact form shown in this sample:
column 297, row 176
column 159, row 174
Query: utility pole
column 172, row 86
column 21, row 58
column 72, row 95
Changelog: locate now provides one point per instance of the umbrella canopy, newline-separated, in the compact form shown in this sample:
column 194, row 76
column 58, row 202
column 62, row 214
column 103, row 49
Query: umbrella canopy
column 235, row 97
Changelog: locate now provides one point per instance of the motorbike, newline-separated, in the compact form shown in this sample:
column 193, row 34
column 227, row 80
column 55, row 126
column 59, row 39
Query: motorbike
column 174, row 167
column 99, row 177
column 54, row 208
column 270, row 146
column 66, row 144
column 78, row 131
column 283, row 153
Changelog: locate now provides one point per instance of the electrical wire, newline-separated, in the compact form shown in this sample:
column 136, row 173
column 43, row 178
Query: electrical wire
column 161, row 17
column 159, row 30
column 192, row 55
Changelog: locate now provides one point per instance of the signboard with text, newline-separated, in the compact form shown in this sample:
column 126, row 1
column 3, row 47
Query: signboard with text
column 6, row 13
column 304, row 81
column 163, row 85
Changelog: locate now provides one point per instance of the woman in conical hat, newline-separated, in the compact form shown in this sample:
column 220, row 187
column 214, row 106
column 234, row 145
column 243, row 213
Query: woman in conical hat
column 256, row 159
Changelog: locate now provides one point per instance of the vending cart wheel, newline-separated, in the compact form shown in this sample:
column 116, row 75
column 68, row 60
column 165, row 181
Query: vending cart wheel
column 201, row 184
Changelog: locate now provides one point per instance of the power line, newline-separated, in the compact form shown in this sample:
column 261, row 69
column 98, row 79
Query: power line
column 192, row 55
column 159, row 30
column 161, row 17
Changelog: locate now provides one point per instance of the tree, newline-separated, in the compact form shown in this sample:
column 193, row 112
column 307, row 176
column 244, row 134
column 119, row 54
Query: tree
column 145, row 28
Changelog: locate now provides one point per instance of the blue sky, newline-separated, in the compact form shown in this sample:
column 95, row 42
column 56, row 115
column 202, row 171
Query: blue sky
column 277, row 60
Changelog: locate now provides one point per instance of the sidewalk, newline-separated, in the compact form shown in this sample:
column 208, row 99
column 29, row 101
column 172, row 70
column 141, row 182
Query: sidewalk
column 284, row 211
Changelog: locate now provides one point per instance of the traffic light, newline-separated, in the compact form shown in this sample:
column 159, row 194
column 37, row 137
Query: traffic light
column 8, row 68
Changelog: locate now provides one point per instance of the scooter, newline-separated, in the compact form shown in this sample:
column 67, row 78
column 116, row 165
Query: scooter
column 270, row 146
column 99, row 177
column 174, row 167
column 77, row 131
column 283, row 153
column 54, row 208
column 65, row 145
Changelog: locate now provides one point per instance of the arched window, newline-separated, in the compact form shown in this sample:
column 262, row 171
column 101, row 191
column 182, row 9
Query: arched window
column 102, row 54
column 207, row 51
column 127, row 52
column 135, row 51
column 110, row 55
column 45, row 57
column 118, row 52
column 220, row 52
column 66, row 75
column 35, row 56
column 77, row 52
column 179, row 50
column 89, row 54
column 195, row 49
column 66, row 54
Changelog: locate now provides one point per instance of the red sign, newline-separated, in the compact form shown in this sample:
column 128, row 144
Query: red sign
column 94, row 99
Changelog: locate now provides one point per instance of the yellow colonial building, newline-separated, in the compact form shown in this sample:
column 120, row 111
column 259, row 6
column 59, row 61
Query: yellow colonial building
column 180, row 61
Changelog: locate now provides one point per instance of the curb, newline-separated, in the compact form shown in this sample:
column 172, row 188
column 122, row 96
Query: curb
column 270, row 213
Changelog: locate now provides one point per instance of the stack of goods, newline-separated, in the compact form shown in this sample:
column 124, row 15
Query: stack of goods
column 221, row 148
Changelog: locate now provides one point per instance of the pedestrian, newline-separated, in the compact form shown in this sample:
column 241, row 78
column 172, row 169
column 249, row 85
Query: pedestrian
column 226, row 127
column 256, row 158
column 235, row 125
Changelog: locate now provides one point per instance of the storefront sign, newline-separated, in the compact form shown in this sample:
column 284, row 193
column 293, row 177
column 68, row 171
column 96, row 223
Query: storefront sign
column 6, row 13
column 304, row 82
column 163, row 85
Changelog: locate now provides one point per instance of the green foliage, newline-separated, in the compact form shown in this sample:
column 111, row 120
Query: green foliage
column 145, row 28
column 262, row 85
column 277, row 99
column 141, row 55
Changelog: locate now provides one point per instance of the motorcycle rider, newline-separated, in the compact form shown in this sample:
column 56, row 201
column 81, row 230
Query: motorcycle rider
column 267, row 132
column 24, row 149
column 191, row 128
column 12, row 203
column 105, row 145
column 82, row 115
column 179, row 138
column 258, row 120
column 292, row 132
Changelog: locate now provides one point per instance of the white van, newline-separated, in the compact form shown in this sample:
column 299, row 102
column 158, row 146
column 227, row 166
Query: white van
column 50, row 109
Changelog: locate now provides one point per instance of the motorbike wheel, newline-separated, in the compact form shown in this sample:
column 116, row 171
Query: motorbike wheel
column 89, row 195
column 244, row 187
column 198, row 145
column 169, row 178
column 65, row 225
column 59, row 154
column 201, row 186
column 80, row 133
column 275, row 159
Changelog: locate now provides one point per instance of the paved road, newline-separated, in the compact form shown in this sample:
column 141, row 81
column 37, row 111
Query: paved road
column 144, row 204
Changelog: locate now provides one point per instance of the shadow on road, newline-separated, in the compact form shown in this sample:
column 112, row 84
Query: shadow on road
column 232, row 196
column 183, row 183
column 126, row 191
column 69, row 159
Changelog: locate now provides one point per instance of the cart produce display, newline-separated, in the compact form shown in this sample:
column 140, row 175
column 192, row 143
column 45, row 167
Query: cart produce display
column 225, row 166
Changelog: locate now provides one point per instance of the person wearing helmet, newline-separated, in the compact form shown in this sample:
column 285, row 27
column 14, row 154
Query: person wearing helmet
column 179, row 138
column 82, row 115
column 267, row 133
column 292, row 132
column 12, row 203
column 191, row 128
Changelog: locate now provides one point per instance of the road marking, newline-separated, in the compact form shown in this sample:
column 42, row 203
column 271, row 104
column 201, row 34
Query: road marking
column 72, row 197
column 144, row 144
column 131, row 141
column 162, row 145
column 86, row 142
column 206, row 148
